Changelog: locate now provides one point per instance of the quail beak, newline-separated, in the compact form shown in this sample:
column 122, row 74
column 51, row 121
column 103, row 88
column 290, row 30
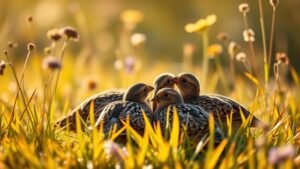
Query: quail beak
column 154, row 99
column 175, row 80
column 150, row 88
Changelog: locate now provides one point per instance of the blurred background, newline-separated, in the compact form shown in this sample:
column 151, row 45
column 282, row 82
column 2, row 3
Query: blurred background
column 107, row 43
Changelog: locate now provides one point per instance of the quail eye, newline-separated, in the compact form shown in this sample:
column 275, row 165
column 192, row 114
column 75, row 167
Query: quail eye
column 183, row 80
column 145, row 90
column 166, row 95
column 168, row 81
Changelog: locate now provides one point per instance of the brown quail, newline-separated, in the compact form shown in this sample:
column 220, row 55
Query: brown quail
column 132, row 105
column 193, row 117
column 219, row 105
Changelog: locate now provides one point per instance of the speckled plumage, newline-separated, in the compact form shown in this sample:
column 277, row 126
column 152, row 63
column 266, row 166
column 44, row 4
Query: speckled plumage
column 132, row 105
column 219, row 105
column 193, row 117
column 100, row 101
column 103, row 99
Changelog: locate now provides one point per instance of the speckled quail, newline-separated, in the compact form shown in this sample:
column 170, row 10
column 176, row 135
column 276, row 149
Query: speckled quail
column 132, row 105
column 219, row 105
column 104, row 98
column 193, row 117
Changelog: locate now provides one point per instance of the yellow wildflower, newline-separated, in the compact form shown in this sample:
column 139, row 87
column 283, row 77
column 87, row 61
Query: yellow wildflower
column 214, row 50
column 132, row 16
column 201, row 24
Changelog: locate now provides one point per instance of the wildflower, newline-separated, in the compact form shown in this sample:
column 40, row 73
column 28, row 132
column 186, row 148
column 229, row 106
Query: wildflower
column 244, row 8
column 29, row 18
column 47, row 50
column 5, row 52
column 222, row 36
column 54, row 34
column 118, row 65
column 131, row 18
column 91, row 84
column 129, row 64
column 214, row 50
column 279, row 154
column 30, row 46
column 11, row 44
column 249, row 35
column 2, row 67
column 274, row 3
column 70, row 33
column 241, row 57
column 233, row 48
column 282, row 58
column 52, row 63
column 112, row 149
column 201, row 25
column 138, row 39
column 188, row 49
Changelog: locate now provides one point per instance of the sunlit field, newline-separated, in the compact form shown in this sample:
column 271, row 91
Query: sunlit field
column 56, row 54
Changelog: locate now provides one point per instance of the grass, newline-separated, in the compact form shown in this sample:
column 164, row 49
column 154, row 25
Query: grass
column 37, row 97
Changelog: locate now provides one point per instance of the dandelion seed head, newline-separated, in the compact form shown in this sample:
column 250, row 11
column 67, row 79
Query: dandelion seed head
column 30, row 46
column 137, row 39
column 241, row 57
column 233, row 48
column 282, row 58
column 249, row 35
column 244, row 8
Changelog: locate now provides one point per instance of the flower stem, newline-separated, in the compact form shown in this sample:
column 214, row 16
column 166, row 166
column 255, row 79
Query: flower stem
column 262, row 27
column 272, row 35
column 205, row 57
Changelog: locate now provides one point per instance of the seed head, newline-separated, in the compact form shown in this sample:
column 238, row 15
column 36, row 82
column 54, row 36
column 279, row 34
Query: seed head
column 91, row 84
column 54, row 34
column 11, row 44
column 233, row 48
column 30, row 46
column 222, row 36
column 118, row 64
column 189, row 49
column 29, row 18
column 241, row 57
column 2, row 67
column 47, row 50
column 244, row 8
column 249, row 35
column 52, row 63
column 5, row 52
column 274, row 3
column 282, row 57
column 138, row 39
column 282, row 153
column 70, row 33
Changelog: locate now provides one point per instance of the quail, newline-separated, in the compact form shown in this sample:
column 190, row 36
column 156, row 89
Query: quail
column 132, row 105
column 219, row 105
column 193, row 117
column 104, row 98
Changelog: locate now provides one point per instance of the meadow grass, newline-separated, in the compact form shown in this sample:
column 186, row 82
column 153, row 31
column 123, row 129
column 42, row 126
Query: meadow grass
column 42, row 90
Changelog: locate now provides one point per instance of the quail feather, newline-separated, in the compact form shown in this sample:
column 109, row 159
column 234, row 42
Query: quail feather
column 193, row 117
column 133, row 104
column 220, row 106
column 104, row 98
